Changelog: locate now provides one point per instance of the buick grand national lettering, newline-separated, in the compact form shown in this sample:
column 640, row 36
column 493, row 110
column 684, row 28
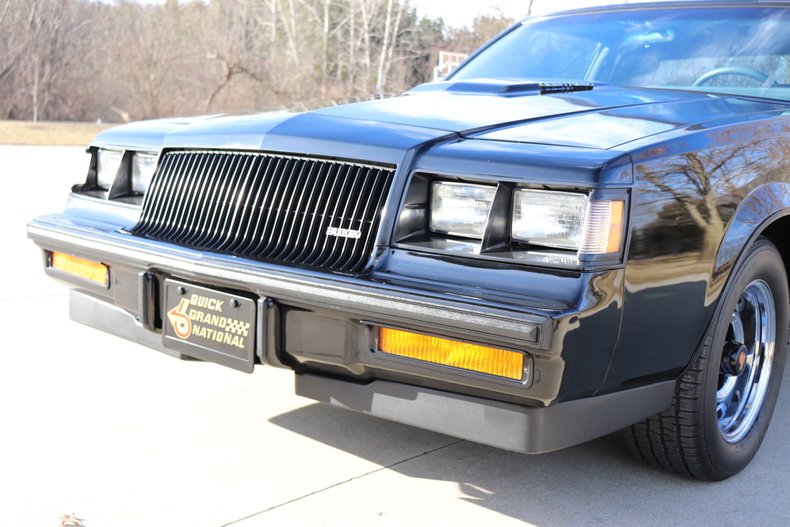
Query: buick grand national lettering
column 583, row 229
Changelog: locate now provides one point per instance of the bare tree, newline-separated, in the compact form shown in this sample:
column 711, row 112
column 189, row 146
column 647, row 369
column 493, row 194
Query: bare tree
column 4, row 13
column 82, row 59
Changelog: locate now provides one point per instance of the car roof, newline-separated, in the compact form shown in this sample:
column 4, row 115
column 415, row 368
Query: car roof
column 667, row 4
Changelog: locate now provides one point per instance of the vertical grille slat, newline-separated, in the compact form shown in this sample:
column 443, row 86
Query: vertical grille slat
column 241, row 211
column 293, row 210
column 311, row 236
column 284, row 237
column 225, row 183
column 375, row 212
column 319, row 220
column 231, row 206
column 284, row 211
column 186, row 220
column 177, row 214
column 196, row 193
column 152, row 201
column 262, row 196
column 164, row 202
column 341, row 211
column 273, row 206
column 355, row 222
column 177, row 198
column 204, row 205
column 330, row 219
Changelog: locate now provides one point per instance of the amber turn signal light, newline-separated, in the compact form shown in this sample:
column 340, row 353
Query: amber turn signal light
column 80, row 267
column 481, row 359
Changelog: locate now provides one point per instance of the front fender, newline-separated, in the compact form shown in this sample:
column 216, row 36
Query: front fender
column 761, row 207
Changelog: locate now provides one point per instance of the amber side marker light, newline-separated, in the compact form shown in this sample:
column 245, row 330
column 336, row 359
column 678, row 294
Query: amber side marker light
column 80, row 267
column 492, row 361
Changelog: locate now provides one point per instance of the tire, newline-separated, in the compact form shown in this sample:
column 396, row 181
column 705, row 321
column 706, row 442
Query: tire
column 712, row 430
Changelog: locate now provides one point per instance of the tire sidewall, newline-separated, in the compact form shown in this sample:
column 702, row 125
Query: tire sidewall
column 762, row 263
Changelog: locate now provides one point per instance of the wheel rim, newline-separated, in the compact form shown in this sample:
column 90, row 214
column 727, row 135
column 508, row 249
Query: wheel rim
column 740, row 394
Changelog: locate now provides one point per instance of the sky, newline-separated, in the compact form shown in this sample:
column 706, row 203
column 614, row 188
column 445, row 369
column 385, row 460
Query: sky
column 460, row 13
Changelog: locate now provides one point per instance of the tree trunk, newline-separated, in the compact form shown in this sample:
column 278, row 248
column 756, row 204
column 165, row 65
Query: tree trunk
column 393, row 45
column 383, row 53
column 35, row 89
column 352, row 46
column 366, row 42
column 325, row 48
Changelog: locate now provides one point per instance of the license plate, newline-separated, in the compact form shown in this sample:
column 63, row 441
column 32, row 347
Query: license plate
column 209, row 324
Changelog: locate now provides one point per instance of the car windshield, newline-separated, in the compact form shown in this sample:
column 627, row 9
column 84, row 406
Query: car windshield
column 742, row 51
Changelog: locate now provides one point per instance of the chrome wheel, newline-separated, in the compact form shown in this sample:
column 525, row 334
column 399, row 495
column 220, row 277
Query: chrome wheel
column 724, row 401
column 746, row 362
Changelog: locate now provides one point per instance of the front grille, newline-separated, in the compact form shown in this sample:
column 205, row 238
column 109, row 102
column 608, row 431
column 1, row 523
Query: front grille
column 286, row 209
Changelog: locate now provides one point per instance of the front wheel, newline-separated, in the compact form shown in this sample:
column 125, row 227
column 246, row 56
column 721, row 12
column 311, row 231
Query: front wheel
column 723, row 403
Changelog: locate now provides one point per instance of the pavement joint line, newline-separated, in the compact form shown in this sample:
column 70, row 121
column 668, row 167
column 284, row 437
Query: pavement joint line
column 340, row 483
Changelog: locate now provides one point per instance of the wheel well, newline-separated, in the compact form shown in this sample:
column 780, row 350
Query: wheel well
column 777, row 233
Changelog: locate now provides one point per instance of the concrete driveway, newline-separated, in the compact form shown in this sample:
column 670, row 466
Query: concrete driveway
column 124, row 436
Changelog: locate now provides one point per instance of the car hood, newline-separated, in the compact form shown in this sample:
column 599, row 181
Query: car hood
column 602, row 118
column 471, row 107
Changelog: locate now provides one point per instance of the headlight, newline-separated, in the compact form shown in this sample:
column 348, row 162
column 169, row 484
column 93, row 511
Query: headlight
column 124, row 173
column 504, row 221
column 143, row 168
column 566, row 220
column 549, row 219
column 109, row 162
column 460, row 209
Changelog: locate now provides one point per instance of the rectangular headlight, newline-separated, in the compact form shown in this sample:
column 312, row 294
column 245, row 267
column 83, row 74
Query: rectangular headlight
column 460, row 209
column 549, row 219
column 109, row 162
column 143, row 168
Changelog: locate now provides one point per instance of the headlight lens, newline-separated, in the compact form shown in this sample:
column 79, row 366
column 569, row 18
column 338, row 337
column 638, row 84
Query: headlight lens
column 549, row 219
column 109, row 162
column 143, row 168
column 460, row 209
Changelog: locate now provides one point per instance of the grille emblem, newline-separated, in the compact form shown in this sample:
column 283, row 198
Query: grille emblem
column 343, row 233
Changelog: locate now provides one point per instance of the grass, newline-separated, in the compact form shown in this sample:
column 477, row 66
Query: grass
column 49, row 133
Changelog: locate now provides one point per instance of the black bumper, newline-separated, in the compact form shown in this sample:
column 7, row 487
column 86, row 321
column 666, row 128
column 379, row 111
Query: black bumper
column 321, row 326
column 500, row 424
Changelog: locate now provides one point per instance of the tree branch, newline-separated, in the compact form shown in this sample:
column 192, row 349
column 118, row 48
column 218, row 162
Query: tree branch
column 5, row 11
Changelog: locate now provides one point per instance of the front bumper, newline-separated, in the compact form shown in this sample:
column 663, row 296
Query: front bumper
column 500, row 424
column 320, row 326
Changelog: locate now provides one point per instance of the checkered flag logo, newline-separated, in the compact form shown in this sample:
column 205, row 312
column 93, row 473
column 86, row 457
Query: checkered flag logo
column 239, row 328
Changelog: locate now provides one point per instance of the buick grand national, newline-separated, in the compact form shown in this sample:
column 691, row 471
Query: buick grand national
column 582, row 229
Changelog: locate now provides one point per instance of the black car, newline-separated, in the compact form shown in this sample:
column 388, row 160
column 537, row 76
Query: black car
column 584, row 228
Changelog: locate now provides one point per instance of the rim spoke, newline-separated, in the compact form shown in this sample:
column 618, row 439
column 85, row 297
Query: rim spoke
column 728, row 383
